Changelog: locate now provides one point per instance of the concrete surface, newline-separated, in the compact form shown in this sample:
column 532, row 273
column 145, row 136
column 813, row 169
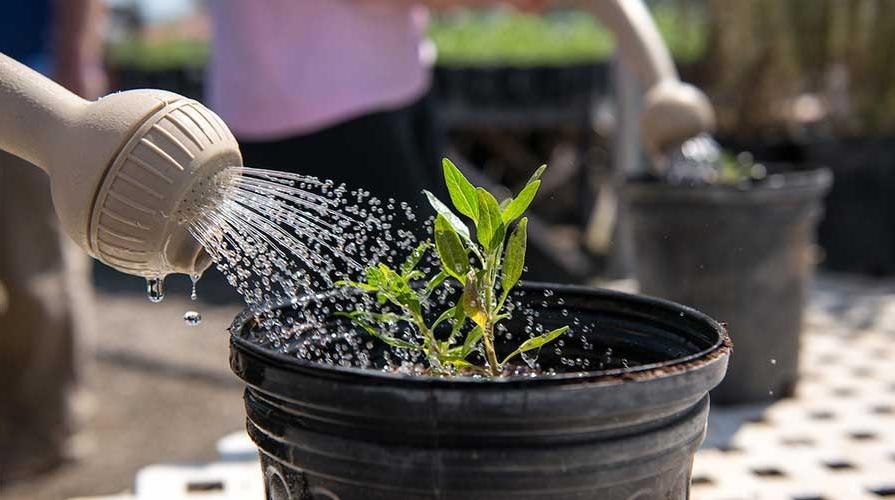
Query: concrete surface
column 157, row 390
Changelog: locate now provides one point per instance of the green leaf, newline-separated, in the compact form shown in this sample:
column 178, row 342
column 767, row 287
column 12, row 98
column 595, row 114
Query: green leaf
column 490, row 228
column 520, row 203
column 514, row 256
column 380, row 317
column 505, row 202
column 448, row 313
column 462, row 191
column 459, row 321
column 395, row 288
column 472, row 301
column 537, row 175
column 472, row 338
column 462, row 364
column 354, row 284
column 388, row 339
column 349, row 314
column 443, row 209
column 374, row 276
column 435, row 282
column 536, row 342
column 414, row 258
column 414, row 275
column 454, row 259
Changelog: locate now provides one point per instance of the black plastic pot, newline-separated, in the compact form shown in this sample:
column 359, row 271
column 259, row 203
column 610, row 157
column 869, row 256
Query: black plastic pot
column 743, row 256
column 329, row 432
column 506, row 86
column 858, row 231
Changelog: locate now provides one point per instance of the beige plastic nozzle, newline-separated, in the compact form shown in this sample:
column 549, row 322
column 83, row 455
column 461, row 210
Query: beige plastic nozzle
column 122, row 168
column 673, row 111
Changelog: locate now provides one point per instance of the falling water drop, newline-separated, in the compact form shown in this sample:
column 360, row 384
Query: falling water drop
column 192, row 318
column 155, row 289
column 195, row 279
column 530, row 359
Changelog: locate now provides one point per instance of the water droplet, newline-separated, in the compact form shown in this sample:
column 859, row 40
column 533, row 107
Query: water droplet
column 195, row 279
column 155, row 289
column 192, row 318
column 773, row 361
column 530, row 359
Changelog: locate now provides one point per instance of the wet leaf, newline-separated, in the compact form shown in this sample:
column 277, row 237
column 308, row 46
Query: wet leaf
column 514, row 256
column 451, row 217
column 536, row 342
column 459, row 321
column 414, row 258
column 395, row 288
column 472, row 301
column 490, row 228
column 414, row 275
column 469, row 343
column 435, row 282
column 462, row 364
column 520, row 203
column 388, row 339
column 374, row 276
column 387, row 317
column 451, row 252
column 448, row 313
column 355, row 284
column 462, row 191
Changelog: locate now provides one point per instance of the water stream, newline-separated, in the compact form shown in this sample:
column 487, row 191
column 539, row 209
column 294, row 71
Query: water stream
column 283, row 239
column 277, row 236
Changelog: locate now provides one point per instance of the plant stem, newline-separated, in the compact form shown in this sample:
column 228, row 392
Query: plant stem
column 434, row 352
column 488, row 337
column 488, row 331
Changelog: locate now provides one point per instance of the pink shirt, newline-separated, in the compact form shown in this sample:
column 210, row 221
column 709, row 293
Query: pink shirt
column 289, row 67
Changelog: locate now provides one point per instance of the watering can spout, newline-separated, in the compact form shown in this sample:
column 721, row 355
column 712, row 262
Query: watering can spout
column 122, row 169
column 673, row 111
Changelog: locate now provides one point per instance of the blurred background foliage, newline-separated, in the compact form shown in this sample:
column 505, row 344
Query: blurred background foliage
column 787, row 65
column 558, row 37
column 792, row 68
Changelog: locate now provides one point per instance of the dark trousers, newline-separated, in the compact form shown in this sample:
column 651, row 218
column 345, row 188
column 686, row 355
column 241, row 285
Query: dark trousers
column 393, row 153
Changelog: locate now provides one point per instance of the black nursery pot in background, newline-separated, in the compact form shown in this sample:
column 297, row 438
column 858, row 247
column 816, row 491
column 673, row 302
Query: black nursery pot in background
column 506, row 86
column 858, row 230
column 745, row 256
column 327, row 432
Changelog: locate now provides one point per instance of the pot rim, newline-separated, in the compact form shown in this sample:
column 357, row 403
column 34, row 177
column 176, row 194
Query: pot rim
column 791, row 187
column 718, row 349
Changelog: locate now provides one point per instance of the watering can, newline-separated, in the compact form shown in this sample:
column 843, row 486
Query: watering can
column 125, row 168
column 122, row 168
column 674, row 112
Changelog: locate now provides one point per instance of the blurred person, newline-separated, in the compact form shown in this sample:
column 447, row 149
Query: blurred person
column 336, row 89
column 44, row 277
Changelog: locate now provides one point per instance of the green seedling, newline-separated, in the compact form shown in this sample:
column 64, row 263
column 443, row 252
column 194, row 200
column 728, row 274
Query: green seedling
column 487, row 263
column 736, row 169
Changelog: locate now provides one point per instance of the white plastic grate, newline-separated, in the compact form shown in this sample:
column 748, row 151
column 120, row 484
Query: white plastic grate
column 836, row 439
